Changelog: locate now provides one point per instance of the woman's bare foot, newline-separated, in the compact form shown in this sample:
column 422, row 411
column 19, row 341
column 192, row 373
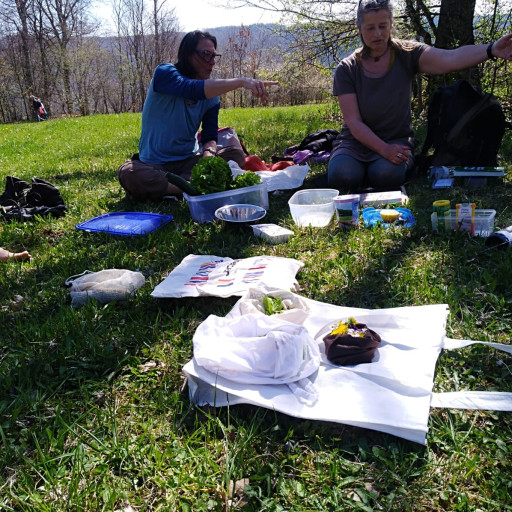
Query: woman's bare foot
column 5, row 255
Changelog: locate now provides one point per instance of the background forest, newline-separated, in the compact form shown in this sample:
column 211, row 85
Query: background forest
column 59, row 52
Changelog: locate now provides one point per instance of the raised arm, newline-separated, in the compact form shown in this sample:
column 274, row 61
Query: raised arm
column 217, row 86
column 436, row 61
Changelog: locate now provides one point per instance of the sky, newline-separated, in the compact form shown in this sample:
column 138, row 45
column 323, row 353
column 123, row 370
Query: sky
column 201, row 14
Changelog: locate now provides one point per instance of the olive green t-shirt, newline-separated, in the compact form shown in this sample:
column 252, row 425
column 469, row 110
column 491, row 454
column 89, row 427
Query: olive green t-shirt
column 384, row 102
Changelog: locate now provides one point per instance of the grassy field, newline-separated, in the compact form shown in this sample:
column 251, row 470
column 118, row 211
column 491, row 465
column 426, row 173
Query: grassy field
column 94, row 410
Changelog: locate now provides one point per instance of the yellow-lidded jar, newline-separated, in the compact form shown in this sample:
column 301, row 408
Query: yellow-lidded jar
column 442, row 209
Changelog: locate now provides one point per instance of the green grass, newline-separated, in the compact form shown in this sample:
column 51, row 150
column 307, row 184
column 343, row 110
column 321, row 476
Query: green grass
column 87, row 424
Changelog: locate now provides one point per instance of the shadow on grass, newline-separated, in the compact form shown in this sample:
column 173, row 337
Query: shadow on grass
column 57, row 351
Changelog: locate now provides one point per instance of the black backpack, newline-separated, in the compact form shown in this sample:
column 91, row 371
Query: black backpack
column 465, row 127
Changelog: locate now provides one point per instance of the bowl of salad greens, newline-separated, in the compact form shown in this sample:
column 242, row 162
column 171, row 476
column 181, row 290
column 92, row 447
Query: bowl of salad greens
column 213, row 174
column 216, row 187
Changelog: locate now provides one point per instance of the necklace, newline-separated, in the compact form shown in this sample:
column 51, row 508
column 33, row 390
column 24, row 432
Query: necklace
column 380, row 72
column 376, row 59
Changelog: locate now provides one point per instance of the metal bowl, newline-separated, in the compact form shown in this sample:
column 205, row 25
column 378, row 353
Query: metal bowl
column 240, row 213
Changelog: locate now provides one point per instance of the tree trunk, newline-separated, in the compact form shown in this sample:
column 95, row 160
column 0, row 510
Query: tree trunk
column 23, row 32
column 455, row 28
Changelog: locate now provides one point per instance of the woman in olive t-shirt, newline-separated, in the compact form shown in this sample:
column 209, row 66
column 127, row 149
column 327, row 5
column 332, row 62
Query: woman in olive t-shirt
column 375, row 147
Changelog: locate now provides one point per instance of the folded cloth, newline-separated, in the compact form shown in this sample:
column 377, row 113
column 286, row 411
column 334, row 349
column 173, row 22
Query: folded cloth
column 23, row 214
column 319, row 158
column 315, row 148
column 255, row 349
column 23, row 201
column 302, row 156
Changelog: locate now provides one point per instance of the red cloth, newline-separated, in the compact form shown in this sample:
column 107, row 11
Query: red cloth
column 254, row 163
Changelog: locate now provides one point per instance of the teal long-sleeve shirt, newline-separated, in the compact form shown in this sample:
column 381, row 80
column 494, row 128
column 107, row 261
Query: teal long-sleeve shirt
column 174, row 110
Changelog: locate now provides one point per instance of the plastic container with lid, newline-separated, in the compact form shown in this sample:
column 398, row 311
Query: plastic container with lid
column 202, row 208
column 273, row 233
column 125, row 223
column 482, row 222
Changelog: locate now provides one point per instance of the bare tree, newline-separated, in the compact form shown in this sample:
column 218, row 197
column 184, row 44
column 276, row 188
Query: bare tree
column 322, row 31
column 147, row 35
column 17, row 15
column 64, row 20
column 235, row 56
column 42, row 58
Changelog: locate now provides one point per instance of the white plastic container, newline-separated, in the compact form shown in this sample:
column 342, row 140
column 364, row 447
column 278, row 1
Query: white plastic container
column 313, row 207
column 272, row 233
column 483, row 222
column 202, row 208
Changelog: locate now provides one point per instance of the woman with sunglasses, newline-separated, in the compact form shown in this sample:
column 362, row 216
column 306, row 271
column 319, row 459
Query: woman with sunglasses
column 375, row 147
column 181, row 99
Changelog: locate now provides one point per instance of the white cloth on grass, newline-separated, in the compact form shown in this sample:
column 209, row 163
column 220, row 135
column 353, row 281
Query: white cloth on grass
column 482, row 400
column 393, row 394
column 258, row 349
column 199, row 276
column 284, row 179
column 104, row 286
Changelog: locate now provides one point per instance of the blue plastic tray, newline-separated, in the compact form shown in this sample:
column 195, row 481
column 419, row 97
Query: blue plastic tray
column 125, row 223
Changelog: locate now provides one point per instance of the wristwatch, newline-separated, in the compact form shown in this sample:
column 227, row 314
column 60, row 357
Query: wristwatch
column 489, row 52
column 211, row 150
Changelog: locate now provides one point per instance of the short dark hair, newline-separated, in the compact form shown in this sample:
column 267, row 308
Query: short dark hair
column 187, row 48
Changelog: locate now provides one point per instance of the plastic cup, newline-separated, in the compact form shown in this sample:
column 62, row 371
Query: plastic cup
column 442, row 210
column 347, row 210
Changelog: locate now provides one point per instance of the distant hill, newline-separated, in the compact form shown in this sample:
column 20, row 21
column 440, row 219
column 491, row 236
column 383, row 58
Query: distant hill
column 273, row 37
column 270, row 32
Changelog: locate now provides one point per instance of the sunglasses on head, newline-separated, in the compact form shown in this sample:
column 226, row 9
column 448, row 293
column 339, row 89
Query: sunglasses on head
column 208, row 56
column 372, row 4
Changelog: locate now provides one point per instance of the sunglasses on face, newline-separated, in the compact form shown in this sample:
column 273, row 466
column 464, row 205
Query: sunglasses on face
column 208, row 56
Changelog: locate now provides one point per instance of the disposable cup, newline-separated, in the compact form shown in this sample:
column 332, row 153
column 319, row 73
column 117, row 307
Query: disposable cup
column 347, row 210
